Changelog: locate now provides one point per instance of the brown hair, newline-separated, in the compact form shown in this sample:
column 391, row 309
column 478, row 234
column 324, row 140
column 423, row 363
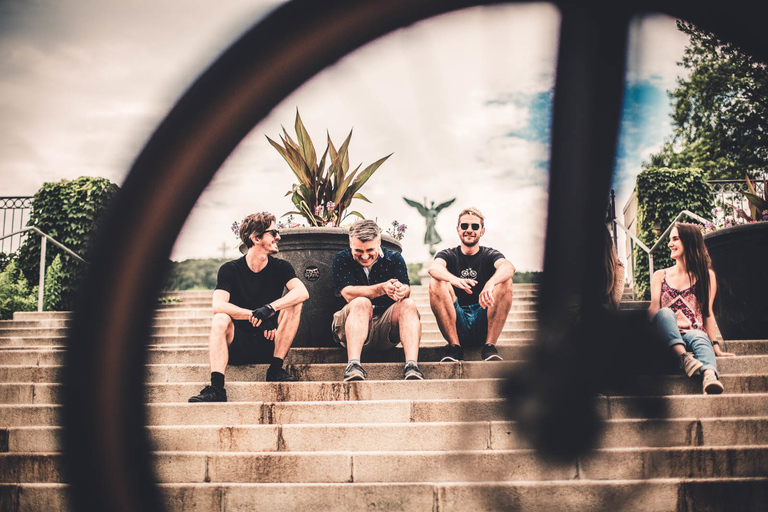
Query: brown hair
column 364, row 230
column 697, row 262
column 255, row 223
column 472, row 211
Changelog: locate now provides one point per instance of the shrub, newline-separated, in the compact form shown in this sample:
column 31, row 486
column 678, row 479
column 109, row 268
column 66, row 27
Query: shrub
column 52, row 291
column 661, row 195
column 15, row 293
column 70, row 212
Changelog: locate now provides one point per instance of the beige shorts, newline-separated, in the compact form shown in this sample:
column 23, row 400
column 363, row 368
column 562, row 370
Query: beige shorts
column 378, row 330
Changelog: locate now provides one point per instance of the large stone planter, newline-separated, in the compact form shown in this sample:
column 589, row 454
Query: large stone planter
column 740, row 259
column 311, row 252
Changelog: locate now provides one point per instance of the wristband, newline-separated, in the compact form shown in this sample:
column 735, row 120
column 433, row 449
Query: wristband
column 263, row 312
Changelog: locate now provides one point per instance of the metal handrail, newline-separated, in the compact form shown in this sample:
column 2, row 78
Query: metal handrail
column 659, row 241
column 43, row 239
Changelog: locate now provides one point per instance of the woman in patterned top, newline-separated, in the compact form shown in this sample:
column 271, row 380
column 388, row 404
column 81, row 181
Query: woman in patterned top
column 681, row 306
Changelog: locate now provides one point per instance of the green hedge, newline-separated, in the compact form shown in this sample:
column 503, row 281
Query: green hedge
column 70, row 212
column 661, row 195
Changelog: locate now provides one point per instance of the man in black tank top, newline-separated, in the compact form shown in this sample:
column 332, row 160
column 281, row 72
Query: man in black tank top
column 470, row 292
column 253, row 323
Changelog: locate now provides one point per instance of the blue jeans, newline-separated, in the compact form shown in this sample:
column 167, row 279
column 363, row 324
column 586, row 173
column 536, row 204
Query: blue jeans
column 693, row 340
column 471, row 324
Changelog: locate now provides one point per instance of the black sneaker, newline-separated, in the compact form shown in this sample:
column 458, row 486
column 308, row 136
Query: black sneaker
column 453, row 354
column 412, row 372
column 280, row 375
column 210, row 394
column 354, row 372
column 489, row 353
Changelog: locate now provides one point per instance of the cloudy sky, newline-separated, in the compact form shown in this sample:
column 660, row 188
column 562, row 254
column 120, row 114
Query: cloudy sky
column 463, row 101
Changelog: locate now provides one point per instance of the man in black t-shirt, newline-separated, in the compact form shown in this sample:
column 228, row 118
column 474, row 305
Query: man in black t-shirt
column 470, row 292
column 246, row 327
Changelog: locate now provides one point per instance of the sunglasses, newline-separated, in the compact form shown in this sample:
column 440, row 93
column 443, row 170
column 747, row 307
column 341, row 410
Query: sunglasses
column 272, row 232
column 465, row 226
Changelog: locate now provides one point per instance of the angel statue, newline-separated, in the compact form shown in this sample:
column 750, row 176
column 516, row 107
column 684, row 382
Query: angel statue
column 431, row 238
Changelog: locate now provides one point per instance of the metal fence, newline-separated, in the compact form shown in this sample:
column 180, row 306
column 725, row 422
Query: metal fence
column 15, row 214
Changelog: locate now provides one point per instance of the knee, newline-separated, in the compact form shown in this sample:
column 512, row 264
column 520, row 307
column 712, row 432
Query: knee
column 504, row 288
column 697, row 336
column 361, row 305
column 408, row 307
column 221, row 323
column 665, row 314
column 439, row 288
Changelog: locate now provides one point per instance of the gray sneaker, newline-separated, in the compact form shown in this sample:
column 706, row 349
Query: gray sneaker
column 354, row 372
column 690, row 364
column 710, row 384
column 412, row 372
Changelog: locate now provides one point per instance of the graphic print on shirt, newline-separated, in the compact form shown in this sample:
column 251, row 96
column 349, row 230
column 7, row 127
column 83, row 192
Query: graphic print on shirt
column 469, row 273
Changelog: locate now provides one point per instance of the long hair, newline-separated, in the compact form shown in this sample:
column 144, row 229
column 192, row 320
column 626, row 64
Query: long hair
column 697, row 262
column 610, row 268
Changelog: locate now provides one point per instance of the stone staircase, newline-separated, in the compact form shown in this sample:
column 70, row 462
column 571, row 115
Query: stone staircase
column 442, row 444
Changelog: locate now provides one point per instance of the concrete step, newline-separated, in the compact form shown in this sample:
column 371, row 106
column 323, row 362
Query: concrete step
column 454, row 466
column 754, row 366
column 173, row 392
column 402, row 411
column 646, row 495
column 448, row 436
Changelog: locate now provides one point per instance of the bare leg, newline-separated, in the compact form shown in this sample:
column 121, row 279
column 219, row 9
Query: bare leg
column 222, row 333
column 287, row 326
column 406, row 325
column 498, row 313
column 441, row 300
column 359, row 314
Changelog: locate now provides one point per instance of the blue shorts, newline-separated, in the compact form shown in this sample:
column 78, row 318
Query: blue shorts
column 471, row 324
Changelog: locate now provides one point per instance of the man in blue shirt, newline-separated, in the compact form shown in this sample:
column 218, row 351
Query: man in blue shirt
column 375, row 308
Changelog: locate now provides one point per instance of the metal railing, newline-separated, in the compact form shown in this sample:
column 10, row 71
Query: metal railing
column 43, row 239
column 650, row 251
column 16, row 212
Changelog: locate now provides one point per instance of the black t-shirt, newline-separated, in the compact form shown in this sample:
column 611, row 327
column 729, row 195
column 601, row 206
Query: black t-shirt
column 478, row 267
column 251, row 290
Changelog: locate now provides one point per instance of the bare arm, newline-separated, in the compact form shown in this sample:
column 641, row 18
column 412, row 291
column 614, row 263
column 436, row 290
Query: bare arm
column 504, row 272
column 221, row 304
column 439, row 270
column 369, row 292
column 297, row 293
column 710, row 323
column 658, row 278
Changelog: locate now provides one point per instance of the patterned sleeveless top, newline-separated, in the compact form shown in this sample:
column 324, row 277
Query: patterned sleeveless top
column 684, row 301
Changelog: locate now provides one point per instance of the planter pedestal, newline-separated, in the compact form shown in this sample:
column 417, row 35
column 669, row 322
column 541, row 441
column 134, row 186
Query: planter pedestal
column 311, row 252
column 740, row 260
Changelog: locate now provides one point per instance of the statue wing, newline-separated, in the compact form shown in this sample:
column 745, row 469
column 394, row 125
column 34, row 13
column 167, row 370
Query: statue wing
column 418, row 206
column 444, row 205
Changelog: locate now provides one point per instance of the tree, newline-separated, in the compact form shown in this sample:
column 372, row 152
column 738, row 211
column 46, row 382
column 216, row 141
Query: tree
column 720, row 111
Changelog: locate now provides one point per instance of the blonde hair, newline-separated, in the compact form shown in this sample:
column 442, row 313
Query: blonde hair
column 472, row 211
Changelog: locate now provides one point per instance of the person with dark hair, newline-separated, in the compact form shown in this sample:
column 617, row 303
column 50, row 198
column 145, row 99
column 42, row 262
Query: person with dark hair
column 376, row 311
column 681, row 306
column 253, row 323
column 470, row 292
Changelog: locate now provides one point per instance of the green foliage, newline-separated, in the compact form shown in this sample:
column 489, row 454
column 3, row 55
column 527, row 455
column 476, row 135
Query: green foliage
column 193, row 274
column 53, row 285
column 661, row 195
column 5, row 259
column 720, row 111
column 70, row 212
column 322, row 195
column 15, row 293
column 527, row 277
column 413, row 273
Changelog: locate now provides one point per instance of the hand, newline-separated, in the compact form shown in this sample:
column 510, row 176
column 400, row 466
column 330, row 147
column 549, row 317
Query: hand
column 486, row 299
column 264, row 312
column 401, row 291
column 390, row 287
column 719, row 352
column 465, row 284
column 270, row 328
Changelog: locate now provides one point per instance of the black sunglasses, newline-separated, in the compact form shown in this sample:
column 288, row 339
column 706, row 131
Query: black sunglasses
column 465, row 226
column 272, row 232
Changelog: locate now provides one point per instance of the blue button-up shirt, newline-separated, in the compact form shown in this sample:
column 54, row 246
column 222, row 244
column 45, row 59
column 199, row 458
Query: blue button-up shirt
column 347, row 272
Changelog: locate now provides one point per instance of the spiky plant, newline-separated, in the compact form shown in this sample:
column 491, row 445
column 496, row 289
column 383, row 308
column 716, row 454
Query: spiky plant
column 322, row 195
